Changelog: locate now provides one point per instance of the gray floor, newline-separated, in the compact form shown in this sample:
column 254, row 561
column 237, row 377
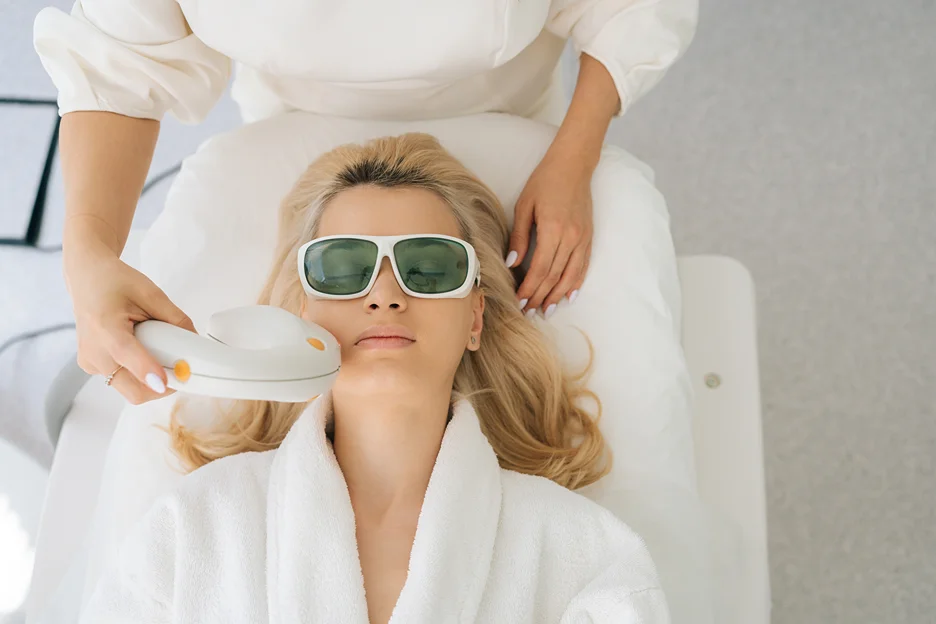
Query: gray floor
column 798, row 137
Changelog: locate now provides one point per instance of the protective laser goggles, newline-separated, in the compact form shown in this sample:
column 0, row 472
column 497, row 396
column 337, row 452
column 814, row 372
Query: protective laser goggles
column 430, row 266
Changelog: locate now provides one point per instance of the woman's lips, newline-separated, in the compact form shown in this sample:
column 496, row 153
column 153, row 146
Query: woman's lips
column 388, row 342
column 386, row 332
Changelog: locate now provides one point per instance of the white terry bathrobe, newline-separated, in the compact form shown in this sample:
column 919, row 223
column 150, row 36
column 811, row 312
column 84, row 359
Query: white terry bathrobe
column 270, row 537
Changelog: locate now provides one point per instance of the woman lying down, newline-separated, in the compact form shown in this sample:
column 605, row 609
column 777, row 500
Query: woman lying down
column 435, row 481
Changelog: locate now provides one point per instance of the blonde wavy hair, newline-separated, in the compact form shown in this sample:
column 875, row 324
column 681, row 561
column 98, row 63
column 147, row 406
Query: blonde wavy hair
column 525, row 400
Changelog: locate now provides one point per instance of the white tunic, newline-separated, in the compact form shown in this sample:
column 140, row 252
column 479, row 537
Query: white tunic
column 270, row 537
column 376, row 59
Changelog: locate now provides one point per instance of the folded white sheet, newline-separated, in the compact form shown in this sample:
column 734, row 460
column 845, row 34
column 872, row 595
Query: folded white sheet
column 270, row 537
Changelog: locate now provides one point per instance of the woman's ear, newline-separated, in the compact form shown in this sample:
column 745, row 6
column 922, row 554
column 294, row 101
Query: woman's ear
column 477, row 321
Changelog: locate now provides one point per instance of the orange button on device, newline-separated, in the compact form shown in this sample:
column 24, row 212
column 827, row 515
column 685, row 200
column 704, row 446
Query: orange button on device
column 318, row 344
column 182, row 371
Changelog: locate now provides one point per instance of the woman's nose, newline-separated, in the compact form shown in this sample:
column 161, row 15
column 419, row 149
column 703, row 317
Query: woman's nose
column 386, row 292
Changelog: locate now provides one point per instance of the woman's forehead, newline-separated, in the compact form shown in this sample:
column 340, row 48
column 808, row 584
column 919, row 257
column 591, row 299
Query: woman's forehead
column 380, row 211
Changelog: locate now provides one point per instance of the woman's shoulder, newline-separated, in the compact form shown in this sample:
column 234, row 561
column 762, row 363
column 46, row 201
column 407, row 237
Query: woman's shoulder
column 547, row 494
column 210, row 515
column 580, row 546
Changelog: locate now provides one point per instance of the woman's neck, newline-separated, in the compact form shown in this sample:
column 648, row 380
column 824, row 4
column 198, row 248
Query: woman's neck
column 386, row 447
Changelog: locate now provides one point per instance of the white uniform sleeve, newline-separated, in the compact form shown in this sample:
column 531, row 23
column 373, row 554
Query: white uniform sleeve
column 139, row 586
column 636, row 40
column 134, row 57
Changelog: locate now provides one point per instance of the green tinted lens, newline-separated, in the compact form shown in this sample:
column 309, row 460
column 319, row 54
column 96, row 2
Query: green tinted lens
column 340, row 266
column 431, row 266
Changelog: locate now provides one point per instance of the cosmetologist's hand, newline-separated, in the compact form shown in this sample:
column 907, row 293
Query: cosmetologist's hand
column 557, row 199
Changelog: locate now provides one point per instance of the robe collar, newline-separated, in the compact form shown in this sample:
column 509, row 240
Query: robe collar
column 313, row 567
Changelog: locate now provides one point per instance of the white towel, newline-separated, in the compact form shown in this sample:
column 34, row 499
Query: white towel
column 270, row 536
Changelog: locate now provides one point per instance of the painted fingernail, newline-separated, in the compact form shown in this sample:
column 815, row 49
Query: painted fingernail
column 155, row 383
column 511, row 258
column 573, row 295
column 531, row 313
column 550, row 310
column 523, row 303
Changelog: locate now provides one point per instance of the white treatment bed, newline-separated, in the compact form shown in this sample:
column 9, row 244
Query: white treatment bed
column 719, row 337
column 719, row 340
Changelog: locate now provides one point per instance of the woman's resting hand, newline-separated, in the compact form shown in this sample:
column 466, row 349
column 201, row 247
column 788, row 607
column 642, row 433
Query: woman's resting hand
column 557, row 198
column 108, row 298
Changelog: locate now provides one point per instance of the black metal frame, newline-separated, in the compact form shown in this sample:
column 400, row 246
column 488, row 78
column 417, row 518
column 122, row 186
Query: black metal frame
column 34, row 228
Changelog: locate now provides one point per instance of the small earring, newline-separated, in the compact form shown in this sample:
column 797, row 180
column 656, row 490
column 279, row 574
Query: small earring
column 473, row 340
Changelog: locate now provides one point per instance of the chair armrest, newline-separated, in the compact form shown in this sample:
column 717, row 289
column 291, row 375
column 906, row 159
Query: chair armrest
column 61, row 395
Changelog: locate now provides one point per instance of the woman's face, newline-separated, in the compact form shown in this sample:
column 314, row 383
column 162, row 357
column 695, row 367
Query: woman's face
column 441, row 329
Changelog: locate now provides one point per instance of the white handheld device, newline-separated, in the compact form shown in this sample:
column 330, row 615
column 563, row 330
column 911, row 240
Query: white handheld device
column 257, row 352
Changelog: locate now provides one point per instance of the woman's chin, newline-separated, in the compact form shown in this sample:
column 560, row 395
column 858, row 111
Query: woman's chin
column 379, row 376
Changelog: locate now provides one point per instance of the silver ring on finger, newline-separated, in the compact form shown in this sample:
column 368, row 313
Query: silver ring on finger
column 110, row 377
